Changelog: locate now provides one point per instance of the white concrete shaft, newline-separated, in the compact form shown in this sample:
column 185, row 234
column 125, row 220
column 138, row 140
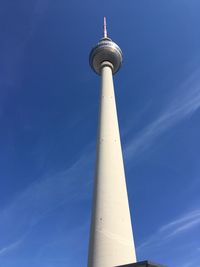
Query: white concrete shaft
column 111, row 237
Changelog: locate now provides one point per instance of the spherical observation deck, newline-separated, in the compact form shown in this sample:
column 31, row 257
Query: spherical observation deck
column 105, row 50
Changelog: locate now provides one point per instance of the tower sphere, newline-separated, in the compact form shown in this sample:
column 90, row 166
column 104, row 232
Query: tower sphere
column 105, row 50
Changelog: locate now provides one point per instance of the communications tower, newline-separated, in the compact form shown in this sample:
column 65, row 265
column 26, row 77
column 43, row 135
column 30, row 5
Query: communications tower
column 111, row 237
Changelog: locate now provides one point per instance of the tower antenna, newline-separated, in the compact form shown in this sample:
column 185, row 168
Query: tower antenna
column 105, row 35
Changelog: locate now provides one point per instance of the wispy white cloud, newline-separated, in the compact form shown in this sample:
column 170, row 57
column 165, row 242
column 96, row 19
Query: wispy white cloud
column 185, row 102
column 192, row 259
column 10, row 247
column 42, row 197
column 172, row 229
column 182, row 224
column 188, row 264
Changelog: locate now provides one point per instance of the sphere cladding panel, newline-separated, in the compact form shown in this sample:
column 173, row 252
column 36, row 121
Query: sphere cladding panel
column 106, row 50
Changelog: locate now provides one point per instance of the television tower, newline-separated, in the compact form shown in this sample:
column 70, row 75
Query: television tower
column 111, row 237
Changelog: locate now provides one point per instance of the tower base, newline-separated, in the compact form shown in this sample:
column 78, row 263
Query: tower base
column 142, row 264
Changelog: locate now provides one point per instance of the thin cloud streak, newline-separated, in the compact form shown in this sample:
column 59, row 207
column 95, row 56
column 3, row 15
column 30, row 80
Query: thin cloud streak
column 192, row 259
column 40, row 198
column 172, row 229
column 188, row 264
column 10, row 247
column 192, row 215
column 184, row 104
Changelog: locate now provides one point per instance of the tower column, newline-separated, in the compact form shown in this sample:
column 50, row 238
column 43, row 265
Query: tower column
column 111, row 238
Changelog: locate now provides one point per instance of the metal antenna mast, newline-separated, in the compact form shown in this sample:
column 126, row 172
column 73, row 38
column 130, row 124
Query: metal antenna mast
column 105, row 35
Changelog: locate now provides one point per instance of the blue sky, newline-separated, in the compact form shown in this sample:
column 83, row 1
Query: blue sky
column 48, row 120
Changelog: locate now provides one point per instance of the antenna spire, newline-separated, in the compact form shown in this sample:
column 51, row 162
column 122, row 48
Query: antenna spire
column 105, row 35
